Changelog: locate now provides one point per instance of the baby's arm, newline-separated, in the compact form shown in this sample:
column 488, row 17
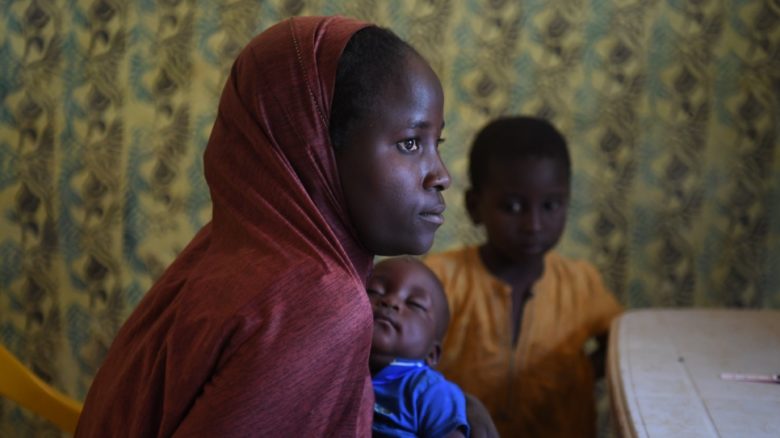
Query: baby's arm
column 602, row 308
column 444, row 411
column 479, row 418
column 455, row 434
column 599, row 356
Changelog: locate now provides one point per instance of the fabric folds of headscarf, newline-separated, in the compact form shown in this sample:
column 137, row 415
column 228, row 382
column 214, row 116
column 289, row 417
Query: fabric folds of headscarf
column 261, row 326
column 276, row 106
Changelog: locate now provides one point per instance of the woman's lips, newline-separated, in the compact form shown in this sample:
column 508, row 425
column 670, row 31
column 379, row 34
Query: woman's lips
column 434, row 214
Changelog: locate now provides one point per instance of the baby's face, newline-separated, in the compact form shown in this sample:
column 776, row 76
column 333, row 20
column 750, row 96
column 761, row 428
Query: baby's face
column 406, row 300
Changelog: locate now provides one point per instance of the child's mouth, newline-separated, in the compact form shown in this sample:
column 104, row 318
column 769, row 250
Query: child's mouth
column 385, row 320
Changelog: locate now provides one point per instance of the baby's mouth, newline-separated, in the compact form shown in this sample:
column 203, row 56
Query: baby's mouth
column 380, row 318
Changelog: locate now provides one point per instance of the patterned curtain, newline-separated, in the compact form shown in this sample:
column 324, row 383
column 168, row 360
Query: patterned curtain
column 671, row 109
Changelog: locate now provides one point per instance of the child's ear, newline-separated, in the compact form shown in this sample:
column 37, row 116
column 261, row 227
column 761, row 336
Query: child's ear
column 433, row 356
column 472, row 202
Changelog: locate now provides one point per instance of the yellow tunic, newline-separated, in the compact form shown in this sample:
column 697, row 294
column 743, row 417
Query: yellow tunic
column 543, row 386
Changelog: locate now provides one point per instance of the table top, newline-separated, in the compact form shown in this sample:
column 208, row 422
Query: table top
column 665, row 366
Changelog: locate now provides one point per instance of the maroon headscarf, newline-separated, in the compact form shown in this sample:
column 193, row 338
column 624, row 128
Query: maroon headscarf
column 262, row 325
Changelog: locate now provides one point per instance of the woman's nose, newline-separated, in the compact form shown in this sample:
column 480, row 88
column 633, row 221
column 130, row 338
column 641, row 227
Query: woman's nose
column 438, row 177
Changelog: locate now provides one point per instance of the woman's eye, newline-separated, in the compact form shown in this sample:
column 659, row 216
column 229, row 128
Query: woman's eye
column 409, row 145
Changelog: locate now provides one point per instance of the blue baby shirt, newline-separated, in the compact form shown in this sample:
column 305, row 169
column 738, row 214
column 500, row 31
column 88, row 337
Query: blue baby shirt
column 413, row 400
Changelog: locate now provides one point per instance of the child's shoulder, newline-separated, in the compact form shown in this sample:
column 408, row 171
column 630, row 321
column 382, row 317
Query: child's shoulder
column 455, row 259
column 561, row 265
column 452, row 255
column 432, row 385
column 571, row 279
column 424, row 377
column 420, row 378
column 579, row 283
column 441, row 403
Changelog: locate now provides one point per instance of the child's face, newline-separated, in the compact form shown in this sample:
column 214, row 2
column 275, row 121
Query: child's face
column 408, row 304
column 390, row 169
column 522, row 205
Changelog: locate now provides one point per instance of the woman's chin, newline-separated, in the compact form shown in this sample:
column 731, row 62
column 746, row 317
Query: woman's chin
column 411, row 247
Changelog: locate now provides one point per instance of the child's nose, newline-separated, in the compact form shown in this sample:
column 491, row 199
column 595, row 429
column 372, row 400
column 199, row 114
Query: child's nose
column 389, row 301
column 531, row 220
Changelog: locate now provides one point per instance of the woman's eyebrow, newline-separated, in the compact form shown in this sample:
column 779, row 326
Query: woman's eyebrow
column 417, row 124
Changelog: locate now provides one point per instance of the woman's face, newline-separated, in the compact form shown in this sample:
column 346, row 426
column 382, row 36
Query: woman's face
column 390, row 167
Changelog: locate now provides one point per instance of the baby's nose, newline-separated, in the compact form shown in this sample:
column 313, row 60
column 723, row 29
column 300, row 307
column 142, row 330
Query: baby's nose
column 389, row 301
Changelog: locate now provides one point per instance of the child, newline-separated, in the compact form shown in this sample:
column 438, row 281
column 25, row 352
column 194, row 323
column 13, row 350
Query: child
column 410, row 319
column 261, row 327
column 522, row 313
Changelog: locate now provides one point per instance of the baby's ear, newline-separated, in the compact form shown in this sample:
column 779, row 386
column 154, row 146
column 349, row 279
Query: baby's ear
column 472, row 204
column 433, row 356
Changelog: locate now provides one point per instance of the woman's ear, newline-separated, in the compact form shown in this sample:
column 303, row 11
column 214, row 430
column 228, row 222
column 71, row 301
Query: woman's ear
column 472, row 204
column 433, row 356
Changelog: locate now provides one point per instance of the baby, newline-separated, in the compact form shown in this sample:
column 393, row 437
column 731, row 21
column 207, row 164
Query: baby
column 410, row 319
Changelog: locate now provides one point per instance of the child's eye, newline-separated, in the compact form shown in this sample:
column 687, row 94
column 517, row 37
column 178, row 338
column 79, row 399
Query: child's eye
column 552, row 205
column 409, row 145
column 416, row 305
column 513, row 207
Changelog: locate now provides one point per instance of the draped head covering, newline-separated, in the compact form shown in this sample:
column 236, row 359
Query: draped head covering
column 262, row 325
column 275, row 110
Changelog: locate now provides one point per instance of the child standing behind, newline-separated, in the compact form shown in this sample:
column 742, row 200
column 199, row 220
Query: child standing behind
column 410, row 319
column 522, row 313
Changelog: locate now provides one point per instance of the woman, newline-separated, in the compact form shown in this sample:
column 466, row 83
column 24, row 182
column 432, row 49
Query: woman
column 316, row 162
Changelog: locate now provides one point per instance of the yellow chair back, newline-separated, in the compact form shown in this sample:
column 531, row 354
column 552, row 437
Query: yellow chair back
column 19, row 384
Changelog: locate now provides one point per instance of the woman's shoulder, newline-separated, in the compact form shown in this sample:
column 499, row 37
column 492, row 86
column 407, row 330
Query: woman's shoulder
column 245, row 289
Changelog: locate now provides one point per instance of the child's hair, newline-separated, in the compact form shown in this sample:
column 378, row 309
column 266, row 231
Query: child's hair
column 372, row 58
column 510, row 138
column 444, row 323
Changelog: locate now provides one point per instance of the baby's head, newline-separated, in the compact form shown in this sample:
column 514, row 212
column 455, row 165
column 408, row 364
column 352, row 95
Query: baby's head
column 410, row 312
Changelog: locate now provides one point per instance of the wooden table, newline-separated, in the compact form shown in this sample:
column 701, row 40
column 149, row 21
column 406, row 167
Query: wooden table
column 664, row 371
